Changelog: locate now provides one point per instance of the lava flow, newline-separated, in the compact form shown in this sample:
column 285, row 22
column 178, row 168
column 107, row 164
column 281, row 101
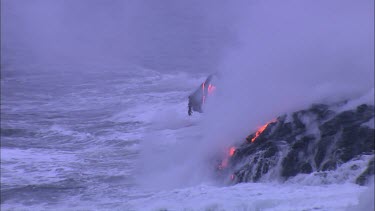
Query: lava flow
column 210, row 89
column 260, row 130
column 224, row 162
column 232, row 150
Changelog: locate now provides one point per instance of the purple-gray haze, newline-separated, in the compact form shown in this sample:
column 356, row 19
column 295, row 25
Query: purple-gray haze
column 94, row 92
column 167, row 35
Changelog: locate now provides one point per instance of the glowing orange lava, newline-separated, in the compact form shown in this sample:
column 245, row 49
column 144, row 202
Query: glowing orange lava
column 224, row 162
column 260, row 130
column 231, row 151
column 211, row 89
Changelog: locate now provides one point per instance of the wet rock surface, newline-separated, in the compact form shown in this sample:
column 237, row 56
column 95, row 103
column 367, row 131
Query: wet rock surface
column 364, row 178
column 317, row 139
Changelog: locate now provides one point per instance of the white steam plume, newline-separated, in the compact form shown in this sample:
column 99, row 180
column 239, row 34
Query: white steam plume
column 289, row 54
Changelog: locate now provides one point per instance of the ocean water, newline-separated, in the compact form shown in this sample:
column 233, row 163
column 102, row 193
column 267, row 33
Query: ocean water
column 96, row 141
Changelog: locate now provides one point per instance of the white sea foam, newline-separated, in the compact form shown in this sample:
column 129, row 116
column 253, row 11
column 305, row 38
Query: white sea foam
column 254, row 196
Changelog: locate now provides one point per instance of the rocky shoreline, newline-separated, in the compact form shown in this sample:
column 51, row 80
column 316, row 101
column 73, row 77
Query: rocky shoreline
column 318, row 139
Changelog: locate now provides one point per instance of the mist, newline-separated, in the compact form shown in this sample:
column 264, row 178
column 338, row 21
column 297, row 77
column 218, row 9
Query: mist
column 286, row 56
column 292, row 54
column 95, row 104
column 166, row 36
column 272, row 57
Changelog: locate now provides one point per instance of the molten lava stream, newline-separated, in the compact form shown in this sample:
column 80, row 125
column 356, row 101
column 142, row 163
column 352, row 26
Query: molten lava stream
column 231, row 151
column 224, row 162
column 260, row 130
column 211, row 89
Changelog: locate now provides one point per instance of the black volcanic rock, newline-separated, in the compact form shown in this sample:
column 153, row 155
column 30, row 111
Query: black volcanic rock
column 315, row 139
column 363, row 179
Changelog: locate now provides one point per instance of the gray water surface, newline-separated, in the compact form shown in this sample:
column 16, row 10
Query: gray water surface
column 73, row 139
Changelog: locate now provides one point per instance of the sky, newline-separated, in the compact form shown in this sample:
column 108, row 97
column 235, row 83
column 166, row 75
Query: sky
column 164, row 35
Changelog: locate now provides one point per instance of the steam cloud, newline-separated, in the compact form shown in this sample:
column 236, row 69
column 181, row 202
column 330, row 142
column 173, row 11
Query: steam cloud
column 291, row 54
column 288, row 54
column 167, row 35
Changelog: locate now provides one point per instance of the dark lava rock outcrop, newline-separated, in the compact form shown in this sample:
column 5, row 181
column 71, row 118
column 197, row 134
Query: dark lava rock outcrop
column 320, row 138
